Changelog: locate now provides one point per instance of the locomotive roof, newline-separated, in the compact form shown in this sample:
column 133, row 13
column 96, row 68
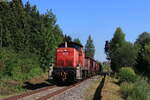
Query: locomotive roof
column 92, row 59
column 71, row 43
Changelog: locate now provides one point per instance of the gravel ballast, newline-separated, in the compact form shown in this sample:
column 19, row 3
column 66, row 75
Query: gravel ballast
column 40, row 94
column 76, row 93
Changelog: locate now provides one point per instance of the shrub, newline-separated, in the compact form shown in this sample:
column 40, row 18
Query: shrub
column 35, row 72
column 126, row 88
column 19, row 66
column 140, row 91
column 127, row 74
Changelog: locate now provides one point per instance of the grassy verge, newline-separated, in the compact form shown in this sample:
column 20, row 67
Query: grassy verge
column 111, row 90
column 133, row 86
column 11, row 87
column 16, row 68
column 89, row 95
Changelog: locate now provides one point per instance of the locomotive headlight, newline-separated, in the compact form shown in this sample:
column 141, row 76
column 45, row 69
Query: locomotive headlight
column 65, row 50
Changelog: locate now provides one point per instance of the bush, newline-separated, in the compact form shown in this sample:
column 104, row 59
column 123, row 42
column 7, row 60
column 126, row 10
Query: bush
column 140, row 90
column 126, row 88
column 127, row 74
column 19, row 66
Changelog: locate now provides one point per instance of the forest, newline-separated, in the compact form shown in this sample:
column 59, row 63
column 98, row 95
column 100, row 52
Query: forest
column 28, row 40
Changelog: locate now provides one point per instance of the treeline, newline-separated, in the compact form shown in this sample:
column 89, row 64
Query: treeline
column 28, row 39
column 122, row 53
column 24, row 29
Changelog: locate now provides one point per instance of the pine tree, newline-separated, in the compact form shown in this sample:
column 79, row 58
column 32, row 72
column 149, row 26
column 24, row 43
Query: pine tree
column 89, row 47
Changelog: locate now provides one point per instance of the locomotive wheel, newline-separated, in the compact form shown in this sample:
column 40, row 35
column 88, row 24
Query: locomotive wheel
column 71, row 76
column 56, row 79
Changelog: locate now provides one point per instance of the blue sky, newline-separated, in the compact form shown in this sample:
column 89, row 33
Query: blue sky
column 79, row 18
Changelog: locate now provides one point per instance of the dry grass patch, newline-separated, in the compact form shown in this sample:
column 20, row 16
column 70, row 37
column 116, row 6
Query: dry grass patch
column 89, row 95
column 39, row 79
column 111, row 90
column 12, row 87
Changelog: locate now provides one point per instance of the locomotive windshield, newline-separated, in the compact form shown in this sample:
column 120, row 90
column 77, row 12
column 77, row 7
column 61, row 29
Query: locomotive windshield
column 71, row 45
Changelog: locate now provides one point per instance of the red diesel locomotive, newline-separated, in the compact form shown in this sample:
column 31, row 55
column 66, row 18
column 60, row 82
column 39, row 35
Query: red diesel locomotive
column 71, row 63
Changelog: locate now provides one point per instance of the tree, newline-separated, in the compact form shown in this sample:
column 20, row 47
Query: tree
column 89, row 47
column 24, row 29
column 126, row 55
column 50, row 36
column 143, row 39
column 120, row 52
column 143, row 60
column 146, row 60
column 5, row 18
column 1, row 35
column 67, row 38
column 77, row 40
column 117, row 42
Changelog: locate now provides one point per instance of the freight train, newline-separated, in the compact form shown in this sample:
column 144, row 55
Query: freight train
column 71, row 63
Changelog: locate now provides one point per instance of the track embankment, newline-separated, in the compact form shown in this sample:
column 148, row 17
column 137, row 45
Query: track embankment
column 110, row 90
column 97, row 95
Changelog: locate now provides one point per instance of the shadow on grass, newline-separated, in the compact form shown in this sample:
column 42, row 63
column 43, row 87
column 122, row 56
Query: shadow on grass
column 97, row 95
column 31, row 86
column 117, row 82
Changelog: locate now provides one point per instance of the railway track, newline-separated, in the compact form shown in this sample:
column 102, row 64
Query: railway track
column 44, row 93
column 59, row 92
column 17, row 97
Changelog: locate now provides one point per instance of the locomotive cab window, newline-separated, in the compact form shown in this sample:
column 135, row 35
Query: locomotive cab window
column 71, row 45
